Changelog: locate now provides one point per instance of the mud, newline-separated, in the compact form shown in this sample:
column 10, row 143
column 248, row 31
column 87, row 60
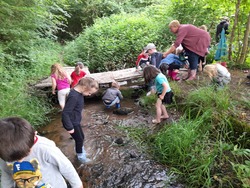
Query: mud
column 117, row 161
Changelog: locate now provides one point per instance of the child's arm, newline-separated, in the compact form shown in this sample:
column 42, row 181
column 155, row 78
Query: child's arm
column 6, row 175
column 56, row 158
column 164, row 90
column 53, row 85
column 120, row 95
column 66, row 113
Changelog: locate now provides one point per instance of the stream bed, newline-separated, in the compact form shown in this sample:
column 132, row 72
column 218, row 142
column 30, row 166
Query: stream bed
column 117, row 162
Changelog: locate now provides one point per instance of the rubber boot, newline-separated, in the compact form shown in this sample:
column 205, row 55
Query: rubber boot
column 82, row 158
column 83, row 150
column 175, row 76
column 117, row 105
column 192, row 75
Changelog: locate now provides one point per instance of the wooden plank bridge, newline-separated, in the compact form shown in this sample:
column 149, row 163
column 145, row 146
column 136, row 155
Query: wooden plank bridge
column 104, row 78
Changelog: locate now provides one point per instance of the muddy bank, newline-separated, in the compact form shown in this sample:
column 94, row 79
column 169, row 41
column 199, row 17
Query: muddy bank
column 116, row 159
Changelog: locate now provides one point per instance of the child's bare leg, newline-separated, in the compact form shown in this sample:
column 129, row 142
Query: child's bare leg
column 164, row 112
column 158, row 111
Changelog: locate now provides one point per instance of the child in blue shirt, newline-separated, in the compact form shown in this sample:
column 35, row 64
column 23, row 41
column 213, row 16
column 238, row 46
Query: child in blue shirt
column 163, row 90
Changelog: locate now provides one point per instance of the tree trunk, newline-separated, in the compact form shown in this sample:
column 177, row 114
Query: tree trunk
column 237, row 10
column 245, row 42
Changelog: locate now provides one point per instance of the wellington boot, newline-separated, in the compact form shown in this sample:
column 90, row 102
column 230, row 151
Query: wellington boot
column 175, row 76
column 82, row 158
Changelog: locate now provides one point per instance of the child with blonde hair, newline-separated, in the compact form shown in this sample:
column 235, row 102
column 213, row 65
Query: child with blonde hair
column 163, row 90
column 112, row 96
column 218, row 74
column 60, row 81
column 72, row 113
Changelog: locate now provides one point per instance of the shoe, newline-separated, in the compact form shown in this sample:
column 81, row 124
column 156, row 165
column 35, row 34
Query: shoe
column 82, row 158
column 175, row 76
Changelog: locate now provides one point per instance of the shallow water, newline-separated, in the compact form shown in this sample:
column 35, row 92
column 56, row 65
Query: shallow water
column 116, row 160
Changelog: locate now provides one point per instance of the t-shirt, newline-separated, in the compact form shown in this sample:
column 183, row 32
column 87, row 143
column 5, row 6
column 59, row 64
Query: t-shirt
column 76, row 77
column 140, row 57
column 159, row 80
column 61, row 84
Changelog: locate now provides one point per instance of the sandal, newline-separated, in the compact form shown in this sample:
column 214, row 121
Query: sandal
column 154, row 121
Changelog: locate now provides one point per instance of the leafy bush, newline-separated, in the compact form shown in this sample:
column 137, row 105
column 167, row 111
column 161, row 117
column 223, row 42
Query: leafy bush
column 18, row 98
column 115, row 42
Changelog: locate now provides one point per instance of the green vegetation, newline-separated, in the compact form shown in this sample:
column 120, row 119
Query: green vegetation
column 18, row 96
column 205, row 147
column 114, row 42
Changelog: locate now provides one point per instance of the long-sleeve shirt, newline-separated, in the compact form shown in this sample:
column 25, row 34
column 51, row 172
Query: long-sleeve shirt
column 72, row 111
column 54, row 166
column 193, row 39
column 156, row 58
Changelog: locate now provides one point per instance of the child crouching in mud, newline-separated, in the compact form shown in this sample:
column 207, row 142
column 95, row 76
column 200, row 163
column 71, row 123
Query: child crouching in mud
column 163, row 90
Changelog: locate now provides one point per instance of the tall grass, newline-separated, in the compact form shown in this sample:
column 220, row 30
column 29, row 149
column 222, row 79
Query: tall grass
column 18, row 96
column 203, row 146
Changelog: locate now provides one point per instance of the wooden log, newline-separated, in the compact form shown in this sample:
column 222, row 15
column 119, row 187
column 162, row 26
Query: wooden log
column 102, row 78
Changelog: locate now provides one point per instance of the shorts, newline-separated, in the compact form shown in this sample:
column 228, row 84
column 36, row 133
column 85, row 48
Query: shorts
column 168, row 98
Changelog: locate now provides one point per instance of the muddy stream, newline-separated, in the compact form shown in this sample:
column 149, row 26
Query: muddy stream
column 116, row 160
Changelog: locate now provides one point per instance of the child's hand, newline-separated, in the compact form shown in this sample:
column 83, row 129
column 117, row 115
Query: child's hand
column 161, row 97
column 71, row 131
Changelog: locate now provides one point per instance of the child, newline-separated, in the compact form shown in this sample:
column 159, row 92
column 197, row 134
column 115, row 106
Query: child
column 29, row 160
column 77, row 74
column 218, row 73
column 155, row 56
column 163, row 91
column 112, row 96
column 60, row 80
column 173, row 62
column 72, row 113
column 142, row 60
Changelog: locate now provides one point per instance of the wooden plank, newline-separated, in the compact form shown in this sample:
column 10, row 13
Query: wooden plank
column 102, row 77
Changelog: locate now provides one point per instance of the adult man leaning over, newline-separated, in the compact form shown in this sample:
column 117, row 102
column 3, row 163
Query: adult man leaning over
column 195, row 41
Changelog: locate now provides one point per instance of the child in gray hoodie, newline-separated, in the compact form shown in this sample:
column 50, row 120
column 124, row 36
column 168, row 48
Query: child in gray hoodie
column 112, row 96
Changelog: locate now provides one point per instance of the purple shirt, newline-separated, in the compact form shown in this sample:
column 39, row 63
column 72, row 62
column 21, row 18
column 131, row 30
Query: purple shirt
column 193, row 39
column 61, row 84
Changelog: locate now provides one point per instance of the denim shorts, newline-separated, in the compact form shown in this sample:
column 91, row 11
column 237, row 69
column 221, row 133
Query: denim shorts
column 193, row 59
